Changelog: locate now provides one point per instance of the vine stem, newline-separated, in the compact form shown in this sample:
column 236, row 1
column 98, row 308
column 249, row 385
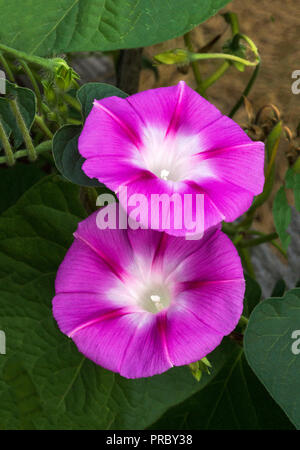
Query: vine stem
column 194, row 64
column 41, row 148
column 72, row 101
column 259, row 240
column 41, row 124
column 24, row 130
column 243, row 322
column 34, row 84
column 199, row 56
column 6, row 68
column 215, row 76
column 245, row 92
column 246, row 260
column 9, row 155
column 33, row 59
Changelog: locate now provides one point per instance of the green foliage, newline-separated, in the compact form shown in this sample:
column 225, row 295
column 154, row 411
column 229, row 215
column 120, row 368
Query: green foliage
column 71, row 26
column 235, row 399
column 269, row 347
column 65, row 390
column 65, row 148
column 96, row 91
column 252, row 295
column 14, row 181
column 282, row 216
column 292, row 181
column 67, row 158
column 26, row 102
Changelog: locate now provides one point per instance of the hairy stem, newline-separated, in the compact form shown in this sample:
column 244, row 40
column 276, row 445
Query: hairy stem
column 41, row 124
column 6, row 68
column 43, row 62
column 43, row 147
column 9, row 155
column 24, row 130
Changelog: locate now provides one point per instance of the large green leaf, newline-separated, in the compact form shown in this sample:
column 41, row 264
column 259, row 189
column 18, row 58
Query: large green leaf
column 272, row 349
column 64, row 390
column 235, row 399
column 14, row 181
column 55, row 26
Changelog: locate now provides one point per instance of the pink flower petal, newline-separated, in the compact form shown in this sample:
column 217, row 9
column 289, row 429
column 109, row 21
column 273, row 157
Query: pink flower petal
column 172, row 141
column 139, row 302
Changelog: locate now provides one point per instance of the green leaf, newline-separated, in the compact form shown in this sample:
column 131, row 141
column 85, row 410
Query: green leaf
column 279, row 288
column 67, row 390
column 65, row 141
column 235, row 399
column 272, row 349
column 14, row 181
column 282, row 216
column 47, row 28
column 292, row 181
column 67, row 158
column 96, row 91
column 252, row 295
column 27, row 104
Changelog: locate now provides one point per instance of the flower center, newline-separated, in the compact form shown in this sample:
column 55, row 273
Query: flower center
column 155, row 298
column 164, row 174
column 168, row 157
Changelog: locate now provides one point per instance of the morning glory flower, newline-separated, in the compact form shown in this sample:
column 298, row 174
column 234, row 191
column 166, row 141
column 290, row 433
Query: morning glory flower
column 138, row 302
column 171, row 140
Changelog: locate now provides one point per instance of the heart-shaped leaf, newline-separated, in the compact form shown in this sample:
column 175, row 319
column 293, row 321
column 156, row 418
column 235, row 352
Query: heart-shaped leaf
column 272, row 347
column 59, row 26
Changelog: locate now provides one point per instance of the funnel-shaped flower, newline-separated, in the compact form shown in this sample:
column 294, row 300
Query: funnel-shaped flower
column 170, row 140
column 139, row 302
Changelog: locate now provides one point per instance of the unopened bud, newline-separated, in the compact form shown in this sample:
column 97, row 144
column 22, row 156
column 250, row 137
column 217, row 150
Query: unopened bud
column 177, row 56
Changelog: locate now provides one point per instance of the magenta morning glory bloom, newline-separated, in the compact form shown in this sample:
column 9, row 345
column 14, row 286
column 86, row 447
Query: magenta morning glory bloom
column 170, row 140
column 139, row 302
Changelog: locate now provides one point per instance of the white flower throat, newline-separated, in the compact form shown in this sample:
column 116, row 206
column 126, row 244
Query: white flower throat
column 168, row 157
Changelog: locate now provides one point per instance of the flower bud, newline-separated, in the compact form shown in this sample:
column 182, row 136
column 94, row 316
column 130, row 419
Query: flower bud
column 177, row 56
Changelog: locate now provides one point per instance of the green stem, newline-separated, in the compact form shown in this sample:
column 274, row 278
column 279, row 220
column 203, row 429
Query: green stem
column 259, row 240
column 41, row 124
column 74, row 121
column 9, row 155
column 245, row 92
column 198, row 56
column 23, row 128
column 6, row 68
column 43, row 147
column 277, row 246
column 232, row 19
column 237, row 37
column 246, row 261
column 215, row 76
column 48, row 64
column 243, row 322
column 34, row 84
column 72, row 101
column 194, row 64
